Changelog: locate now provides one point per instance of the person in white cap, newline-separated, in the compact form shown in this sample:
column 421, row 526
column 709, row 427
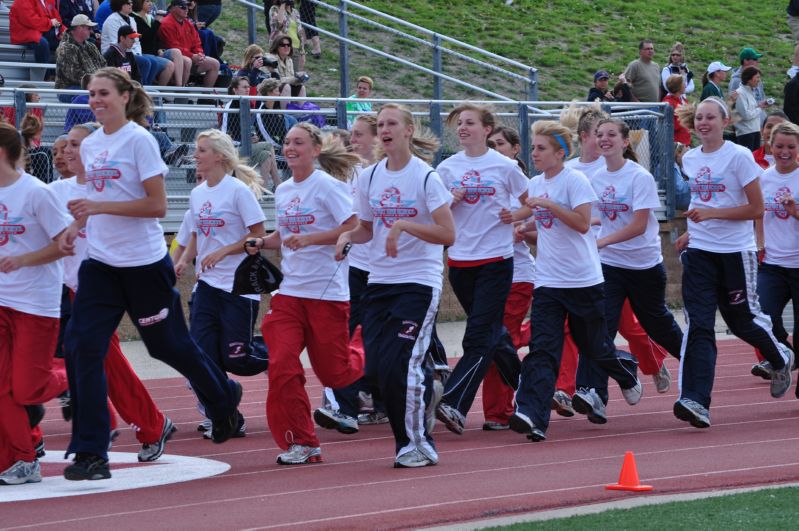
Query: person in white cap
column 76, row 56
column 712, row 78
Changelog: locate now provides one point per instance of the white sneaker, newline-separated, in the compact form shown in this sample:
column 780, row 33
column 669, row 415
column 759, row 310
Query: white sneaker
column 371, row 419
column 430, row 411
column 662, row 379
column 298, row 454
column 451, row 417
column 414, row 459
column 335, row 420
column 22, row 472
column 781, row 378
column 633, row 394
column 366, row 403
column 562, row 404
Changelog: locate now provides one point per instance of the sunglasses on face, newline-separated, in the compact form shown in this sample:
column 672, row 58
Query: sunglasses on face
column 285, row 45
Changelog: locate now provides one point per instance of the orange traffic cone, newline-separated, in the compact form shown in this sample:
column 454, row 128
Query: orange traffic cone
column 628, row 479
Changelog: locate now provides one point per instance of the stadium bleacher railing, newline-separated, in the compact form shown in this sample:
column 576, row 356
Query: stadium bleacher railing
column 651, row 126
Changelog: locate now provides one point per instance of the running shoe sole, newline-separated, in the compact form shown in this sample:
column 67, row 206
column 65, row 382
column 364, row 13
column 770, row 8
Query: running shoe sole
column 583, row 407
column 688, row 415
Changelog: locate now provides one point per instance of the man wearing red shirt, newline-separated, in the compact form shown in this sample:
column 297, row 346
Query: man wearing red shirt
column 177, row 31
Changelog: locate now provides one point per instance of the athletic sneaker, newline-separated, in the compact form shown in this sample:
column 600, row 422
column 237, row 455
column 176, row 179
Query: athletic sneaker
column 587, row 402
column 414, row 459
column 65, row 401
column 430, row 410
column 151, row 452
column 370, row 419
column 209, row 432
column 87, row 466
column 39, row 448
column 693, row 412
column 562, row 404
column 224, row 429
column 451, row 418
column 493, row 425
column 298, row 454
column 204, row 426
column 662, row 379
column 521, row 423
column 366, row 403
column 633, row 394
column 22, row 472
column 781, row 378
column 762, row 369
column 335, row 420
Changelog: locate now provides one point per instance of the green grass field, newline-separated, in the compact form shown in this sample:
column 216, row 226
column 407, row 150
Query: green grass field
column 772, row 509
column 567, row 40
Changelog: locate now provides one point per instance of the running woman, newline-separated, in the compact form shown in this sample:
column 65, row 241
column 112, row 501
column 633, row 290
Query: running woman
column 129, row 270
column 720, row 262
column 632, row 263
column 127, row 393
column 568, row 283
column 483, row 184
column 778, row 232
column 225, row 213
column 497, row 393
column 312, row 309
column 404, row 211
column 30, row 302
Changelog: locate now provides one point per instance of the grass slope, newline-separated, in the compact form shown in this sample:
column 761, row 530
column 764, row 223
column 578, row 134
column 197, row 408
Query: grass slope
column 566, row 39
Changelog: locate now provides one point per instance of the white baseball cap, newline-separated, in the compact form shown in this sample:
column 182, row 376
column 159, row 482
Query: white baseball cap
column 715, row 66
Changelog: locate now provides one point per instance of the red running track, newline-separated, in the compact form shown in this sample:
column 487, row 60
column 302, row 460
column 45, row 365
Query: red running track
column 481, row 474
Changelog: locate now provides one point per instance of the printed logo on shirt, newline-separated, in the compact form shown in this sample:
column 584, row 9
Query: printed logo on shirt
column 9, row 227
column 774, row 205
column 474, row 187
column 390, row 207
column 102, row 171
column 409, row 330
column 543, row 216
column 610, row 205
column 294, row 217
column 706, row 186
column 206, row 221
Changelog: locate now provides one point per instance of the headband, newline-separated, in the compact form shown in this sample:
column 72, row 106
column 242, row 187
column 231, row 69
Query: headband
column 721, row 105
column 562, row 143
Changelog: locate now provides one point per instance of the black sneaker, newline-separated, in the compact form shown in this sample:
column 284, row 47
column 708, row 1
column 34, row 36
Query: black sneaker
column 35, row 414
column 87, row 466
column 224, row 429
column 65, row 401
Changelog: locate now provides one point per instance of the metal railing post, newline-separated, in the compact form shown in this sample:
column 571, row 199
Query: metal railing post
column 245, row 127
column 532, row 86
column 436, row 66
column 524, row 137
column 665, row 167
column 341, row 114
column 252, row 31
column 343, row 50
column 437, row 126
column 21, row 105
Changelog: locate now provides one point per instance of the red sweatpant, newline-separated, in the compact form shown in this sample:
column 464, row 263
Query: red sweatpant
column 27, row 343
column 292, row 324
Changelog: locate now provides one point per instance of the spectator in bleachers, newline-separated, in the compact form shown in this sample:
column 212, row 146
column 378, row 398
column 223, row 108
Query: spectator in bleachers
column 363, row 89
column 177, row 32
column 791, row 99
column 308, row 16
column 253, row 63
column 711, row 80
column 102, row 13
column 10, row 113
column 68, row 9
column 231, row 124
column 283, row 21
column 747, row 129
column 212, row 44
column 151, row 67
column 76, row 56
column 676, row 65
column 271, row 129
column 675, row 84
column 35, row 24
column 39, row 159
column 147, row 26
column 600, row 91
column 120, row 54
column 749, row 57
column 281, row 49
column 644, row 73
column 77, row 116
column 208, row 11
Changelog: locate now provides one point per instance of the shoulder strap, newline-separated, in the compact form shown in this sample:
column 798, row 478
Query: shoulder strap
column 371, row 176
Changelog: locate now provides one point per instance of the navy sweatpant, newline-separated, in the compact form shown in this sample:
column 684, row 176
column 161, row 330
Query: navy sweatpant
column 646, row 289
column 222, row 325
column 585, row 308
column 725, row 281
column 776, row 285
column 398, row 322
column 147, row 293
column 482, row 291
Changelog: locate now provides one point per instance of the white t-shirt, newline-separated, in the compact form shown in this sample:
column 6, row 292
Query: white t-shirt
column 359, row 253
column 523, row 261
column 30, row 217
column 589, row 169
column 388, row 196
column 318, row 204
column 780, row 228
column 116, row 166
column 220, row 217
column 489, row 182
column 621, row 193
column 717, row 181
column 66, row 190
column 183, row 237
column 566, row 258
